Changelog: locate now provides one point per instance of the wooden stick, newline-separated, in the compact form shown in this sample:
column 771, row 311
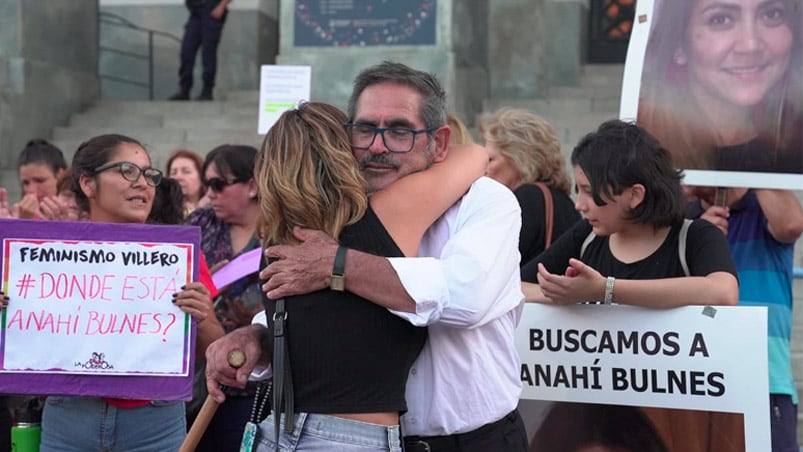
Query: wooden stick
column 236, row 360
column 200, row 424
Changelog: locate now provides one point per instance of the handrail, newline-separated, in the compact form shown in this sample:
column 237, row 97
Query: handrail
column 114, row 20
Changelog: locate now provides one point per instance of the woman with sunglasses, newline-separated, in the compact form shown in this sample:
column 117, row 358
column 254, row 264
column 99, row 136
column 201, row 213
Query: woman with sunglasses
column 228, row 229
column 114, row 182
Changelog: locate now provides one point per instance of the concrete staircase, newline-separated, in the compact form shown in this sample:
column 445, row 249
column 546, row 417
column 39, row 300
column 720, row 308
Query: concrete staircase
column 164, row 126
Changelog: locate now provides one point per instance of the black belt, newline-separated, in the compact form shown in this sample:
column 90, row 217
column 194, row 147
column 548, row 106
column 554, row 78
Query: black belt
column 430, row 443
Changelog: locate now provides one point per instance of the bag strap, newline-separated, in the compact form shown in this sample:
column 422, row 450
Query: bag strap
column 589, row 238
column 282, row 376
column 682, row 238
column 548, row 212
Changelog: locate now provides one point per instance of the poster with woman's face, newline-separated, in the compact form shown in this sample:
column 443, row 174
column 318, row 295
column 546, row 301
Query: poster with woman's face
column 720, row 84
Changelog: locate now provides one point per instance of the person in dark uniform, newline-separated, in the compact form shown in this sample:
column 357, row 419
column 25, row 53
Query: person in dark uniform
column 203, row 30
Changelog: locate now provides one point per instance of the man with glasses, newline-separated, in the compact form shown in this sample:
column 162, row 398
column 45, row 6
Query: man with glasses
column 463, row 389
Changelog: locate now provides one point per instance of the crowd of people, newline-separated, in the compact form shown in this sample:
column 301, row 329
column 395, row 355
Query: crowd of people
column 398, row 254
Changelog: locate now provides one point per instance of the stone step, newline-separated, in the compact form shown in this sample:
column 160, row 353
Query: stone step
column 147, row 135
column 94, row 118
column 174, row 109
column 243, row 96
column 233, row 136
column 238, row 120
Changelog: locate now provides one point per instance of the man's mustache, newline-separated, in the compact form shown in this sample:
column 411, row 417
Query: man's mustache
column 381, row 159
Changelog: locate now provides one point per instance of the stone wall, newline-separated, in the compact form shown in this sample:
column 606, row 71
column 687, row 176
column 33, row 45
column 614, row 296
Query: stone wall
column 535, row 44
column 250, row 39
column 47, row 71
column 458, row 57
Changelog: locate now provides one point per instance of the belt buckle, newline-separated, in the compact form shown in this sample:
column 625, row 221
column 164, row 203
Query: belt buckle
column 421, row 445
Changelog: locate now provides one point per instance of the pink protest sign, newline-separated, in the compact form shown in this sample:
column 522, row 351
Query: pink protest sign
column 241, row 266
column 90, row 311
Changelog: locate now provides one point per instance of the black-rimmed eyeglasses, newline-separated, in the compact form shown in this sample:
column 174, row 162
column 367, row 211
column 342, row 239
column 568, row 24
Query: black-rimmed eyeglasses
column 131, row 172
column 396, row 139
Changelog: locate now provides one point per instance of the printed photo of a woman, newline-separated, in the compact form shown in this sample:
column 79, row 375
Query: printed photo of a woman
column 721, row 84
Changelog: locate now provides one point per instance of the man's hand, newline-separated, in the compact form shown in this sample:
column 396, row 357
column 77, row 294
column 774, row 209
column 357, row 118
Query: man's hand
column 718, row 216
column 217, row 11
column 579, row 283
column 302, row 268
column 218, row 370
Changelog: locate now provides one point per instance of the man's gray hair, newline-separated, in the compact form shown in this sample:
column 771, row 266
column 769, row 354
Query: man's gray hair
column 433, row 107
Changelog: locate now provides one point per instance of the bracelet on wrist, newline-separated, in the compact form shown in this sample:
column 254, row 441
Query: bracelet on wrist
column 609, row 290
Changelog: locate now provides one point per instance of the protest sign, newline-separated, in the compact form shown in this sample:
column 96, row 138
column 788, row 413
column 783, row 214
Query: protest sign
column 90, row 309
column 281, row 88
column 727, row 121
column 696, row 362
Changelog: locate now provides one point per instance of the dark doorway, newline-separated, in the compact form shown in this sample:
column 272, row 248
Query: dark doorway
column 610, row 23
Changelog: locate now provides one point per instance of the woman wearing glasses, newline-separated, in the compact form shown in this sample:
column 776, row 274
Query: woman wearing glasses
column 228, row 229
column 114, row 182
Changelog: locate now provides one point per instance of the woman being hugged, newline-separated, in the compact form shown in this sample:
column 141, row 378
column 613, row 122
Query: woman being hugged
column 349, row 357
column 633, row 246
column 114, row 182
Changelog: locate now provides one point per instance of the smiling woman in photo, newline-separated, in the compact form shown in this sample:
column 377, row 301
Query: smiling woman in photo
column 717, row 86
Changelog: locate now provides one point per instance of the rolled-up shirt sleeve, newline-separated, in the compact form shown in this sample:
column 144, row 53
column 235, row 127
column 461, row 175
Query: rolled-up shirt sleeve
column 472, row 274
column 260, row 373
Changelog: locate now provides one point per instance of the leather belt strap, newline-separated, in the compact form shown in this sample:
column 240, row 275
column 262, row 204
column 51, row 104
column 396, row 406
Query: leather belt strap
column 282, row 376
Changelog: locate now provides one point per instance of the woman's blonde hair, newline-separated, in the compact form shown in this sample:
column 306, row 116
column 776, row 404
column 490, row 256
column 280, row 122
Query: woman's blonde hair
column 307, row 175
column 460, row 133
column 530, row 143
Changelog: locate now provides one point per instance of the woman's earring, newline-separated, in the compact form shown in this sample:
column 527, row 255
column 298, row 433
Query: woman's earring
column 680, row 57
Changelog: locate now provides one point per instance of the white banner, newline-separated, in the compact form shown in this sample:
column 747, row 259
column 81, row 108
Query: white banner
column 77, row 306
column 693, row 359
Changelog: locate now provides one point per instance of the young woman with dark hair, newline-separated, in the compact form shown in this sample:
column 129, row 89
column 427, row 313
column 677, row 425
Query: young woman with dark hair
column 633, row 246
column 40, row 164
